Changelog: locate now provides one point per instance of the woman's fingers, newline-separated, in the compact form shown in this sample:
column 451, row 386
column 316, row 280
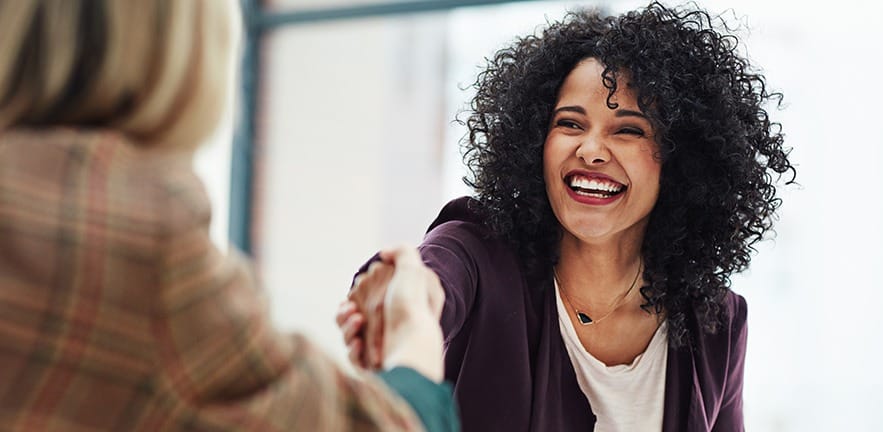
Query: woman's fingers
column 349, row 320
column 401, row 285
column 355, row 351
column 369, row 291
column 351, row 323
column 352, row 327
column 346, row 308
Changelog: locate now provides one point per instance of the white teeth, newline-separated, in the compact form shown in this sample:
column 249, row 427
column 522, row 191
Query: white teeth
column 594, row 184
column 591, row 194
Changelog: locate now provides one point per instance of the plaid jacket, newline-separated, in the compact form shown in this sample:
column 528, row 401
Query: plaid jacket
column 117, row 312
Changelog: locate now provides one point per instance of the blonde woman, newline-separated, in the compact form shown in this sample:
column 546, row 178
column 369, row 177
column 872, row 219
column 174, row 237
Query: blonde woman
column 116, row 311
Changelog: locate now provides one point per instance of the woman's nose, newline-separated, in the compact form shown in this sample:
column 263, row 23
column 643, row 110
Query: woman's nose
column 593, row 151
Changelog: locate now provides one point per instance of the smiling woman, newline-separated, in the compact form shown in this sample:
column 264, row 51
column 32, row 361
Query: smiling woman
column 623, row 167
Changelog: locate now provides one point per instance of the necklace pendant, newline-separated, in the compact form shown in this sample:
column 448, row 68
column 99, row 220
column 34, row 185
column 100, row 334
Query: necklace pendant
column 583, row 318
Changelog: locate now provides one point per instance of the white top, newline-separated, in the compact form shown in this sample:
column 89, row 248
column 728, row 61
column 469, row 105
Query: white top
column 623, row 397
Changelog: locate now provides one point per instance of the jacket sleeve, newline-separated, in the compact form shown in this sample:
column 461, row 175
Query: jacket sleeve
column 730, row 417
column 223, row 364
column 451, row 251
column 432, row 402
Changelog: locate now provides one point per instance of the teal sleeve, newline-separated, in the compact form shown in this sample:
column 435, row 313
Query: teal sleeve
column 433, row 403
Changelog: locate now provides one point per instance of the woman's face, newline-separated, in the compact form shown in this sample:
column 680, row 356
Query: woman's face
column 599, row 164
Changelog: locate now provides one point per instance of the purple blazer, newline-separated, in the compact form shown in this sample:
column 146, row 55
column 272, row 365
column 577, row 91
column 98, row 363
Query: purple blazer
column 507, row 361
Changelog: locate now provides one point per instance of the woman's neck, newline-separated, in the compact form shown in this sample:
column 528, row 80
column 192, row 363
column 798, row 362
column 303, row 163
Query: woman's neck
column 597, row 273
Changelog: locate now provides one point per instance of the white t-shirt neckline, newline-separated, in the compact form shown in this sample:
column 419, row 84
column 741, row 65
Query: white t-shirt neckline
column 623, row 397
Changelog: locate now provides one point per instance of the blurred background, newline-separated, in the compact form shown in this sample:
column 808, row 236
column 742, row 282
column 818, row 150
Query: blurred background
column 341, row 140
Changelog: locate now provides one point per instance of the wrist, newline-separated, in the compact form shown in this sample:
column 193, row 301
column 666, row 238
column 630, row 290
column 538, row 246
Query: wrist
column 416, row 344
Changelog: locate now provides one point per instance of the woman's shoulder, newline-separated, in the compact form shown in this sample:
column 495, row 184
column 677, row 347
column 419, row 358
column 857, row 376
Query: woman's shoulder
column 105, row 176
column 459, row 240
column 463, row 209
column 732, row 328
column 459, row 224
column 737, row 310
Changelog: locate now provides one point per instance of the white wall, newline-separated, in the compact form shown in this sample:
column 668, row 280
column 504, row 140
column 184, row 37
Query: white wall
column 350, row 135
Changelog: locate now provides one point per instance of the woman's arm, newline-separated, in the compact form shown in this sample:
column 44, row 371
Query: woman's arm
column 412, row 337
column 450, row 251
column 223, row 364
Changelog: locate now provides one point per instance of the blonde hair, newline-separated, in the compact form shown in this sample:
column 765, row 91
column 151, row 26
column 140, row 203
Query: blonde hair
column 156, row 70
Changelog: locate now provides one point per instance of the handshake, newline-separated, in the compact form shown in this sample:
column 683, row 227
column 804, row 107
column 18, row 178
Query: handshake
column 391, row 316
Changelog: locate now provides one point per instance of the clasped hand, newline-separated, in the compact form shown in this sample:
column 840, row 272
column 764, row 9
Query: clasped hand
column 391, row 316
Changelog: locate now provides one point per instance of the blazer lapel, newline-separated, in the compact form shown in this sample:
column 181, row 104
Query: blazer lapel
column 681, row 393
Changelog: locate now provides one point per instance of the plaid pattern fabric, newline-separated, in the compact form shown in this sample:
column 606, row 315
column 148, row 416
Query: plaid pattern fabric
column 117, row 313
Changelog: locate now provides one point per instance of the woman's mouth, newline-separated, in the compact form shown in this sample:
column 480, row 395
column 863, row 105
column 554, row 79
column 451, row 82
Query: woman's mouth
column 594, row 187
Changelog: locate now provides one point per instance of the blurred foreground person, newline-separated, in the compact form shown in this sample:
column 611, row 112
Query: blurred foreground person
column 116, row 310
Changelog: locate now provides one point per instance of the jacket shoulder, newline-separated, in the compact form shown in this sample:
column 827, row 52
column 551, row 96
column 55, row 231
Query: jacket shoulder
column 459, row 226
column 737, row 311
column 110, row 184
column 464, row 209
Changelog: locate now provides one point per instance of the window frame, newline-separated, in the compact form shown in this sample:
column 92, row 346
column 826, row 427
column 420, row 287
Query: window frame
column 257, row 21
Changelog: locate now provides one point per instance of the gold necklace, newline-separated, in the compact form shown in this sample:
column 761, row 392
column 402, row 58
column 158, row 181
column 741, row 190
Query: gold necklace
column 583, row 317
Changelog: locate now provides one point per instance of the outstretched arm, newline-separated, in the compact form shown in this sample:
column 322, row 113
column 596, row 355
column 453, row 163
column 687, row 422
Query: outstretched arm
column 412, row 303
column 449, row 252
column 222, row 363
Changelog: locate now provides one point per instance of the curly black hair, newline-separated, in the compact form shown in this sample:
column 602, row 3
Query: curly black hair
column 718, row 147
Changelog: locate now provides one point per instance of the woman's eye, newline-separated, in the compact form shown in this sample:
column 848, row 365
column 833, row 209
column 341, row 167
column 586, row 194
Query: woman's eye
column 631, row 131
column 570, row 124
